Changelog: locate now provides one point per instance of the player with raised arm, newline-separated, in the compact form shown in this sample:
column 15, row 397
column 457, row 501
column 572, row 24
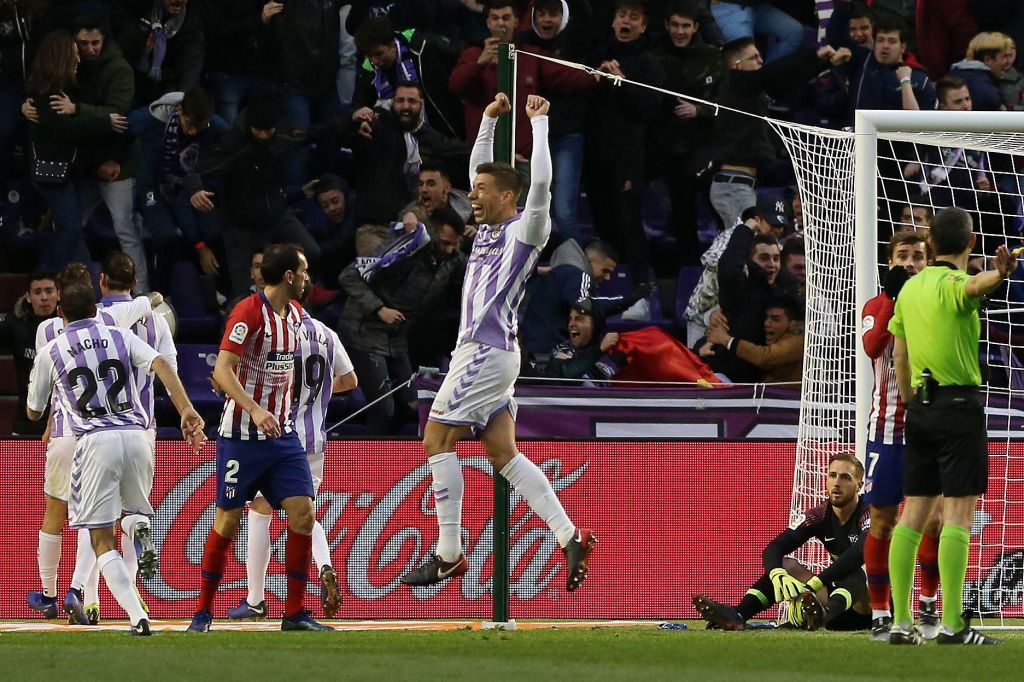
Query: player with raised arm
column 322, row 367
column 908, row 255
column 478, row 391
column 835, row 598
column 89, row 368
column 258, row 449
column 82, row 600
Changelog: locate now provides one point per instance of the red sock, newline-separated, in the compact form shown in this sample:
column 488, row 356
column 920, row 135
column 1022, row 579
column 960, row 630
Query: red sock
column 297, row 555
column 215, row 555
column 876, row 560
column 928, row 557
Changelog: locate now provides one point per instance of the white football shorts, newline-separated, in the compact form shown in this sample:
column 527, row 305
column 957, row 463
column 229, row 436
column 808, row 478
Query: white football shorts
column 112, row 473
column 316, row 469
column 480, row 384
column 59, row 454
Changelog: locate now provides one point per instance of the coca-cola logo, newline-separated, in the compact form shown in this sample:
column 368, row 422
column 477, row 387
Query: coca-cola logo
column 1001, row 586
column 391, row 533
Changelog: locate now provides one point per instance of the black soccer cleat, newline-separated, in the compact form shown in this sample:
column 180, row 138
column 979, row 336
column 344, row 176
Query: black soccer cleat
column 967, row 636
column 929, row 627
column 303, row 622
column 140, row 629
column 719, row 616
column 435, row 570
column 576, row 554
column 330, row 595
column 814, row 612
column 145, row 549
column 880, row 628
column 904, row 635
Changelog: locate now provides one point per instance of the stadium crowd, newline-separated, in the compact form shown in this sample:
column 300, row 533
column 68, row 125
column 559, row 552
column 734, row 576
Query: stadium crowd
column 190, row 134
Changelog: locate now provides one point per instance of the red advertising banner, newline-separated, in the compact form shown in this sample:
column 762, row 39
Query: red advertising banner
column 673, row 518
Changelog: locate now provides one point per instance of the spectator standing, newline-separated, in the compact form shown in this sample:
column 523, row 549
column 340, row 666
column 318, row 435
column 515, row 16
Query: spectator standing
column 989, row 56
column 944, row 28
column 781, row 358
column 692, row 68
column 616, row 127
column 235, row 56
column 747, row 18
column 18, row 337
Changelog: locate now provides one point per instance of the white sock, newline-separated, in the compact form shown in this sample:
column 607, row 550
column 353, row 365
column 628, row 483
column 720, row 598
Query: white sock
column 880, row 613
column 48, row 554
column 929, row 600
column 85, row 560
column 448, row 486
column 130, row 556
column 128, row 524
column 530, row 482
column 120, row 584
column 92, row 586
column 257, row 556
column 321, row 550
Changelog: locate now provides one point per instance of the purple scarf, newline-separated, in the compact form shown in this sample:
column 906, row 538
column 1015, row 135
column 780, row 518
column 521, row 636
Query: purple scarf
column 392, row 252
column 152, row 60
column 406, row 67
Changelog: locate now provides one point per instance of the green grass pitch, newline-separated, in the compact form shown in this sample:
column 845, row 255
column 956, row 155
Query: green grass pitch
column 634, row 653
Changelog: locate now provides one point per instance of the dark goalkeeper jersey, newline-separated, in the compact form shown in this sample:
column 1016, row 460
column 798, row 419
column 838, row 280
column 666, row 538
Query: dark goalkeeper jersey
column 844, row 542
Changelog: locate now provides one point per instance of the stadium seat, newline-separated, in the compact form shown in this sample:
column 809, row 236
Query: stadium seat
column 8, row 378
column 195, row 365
column 195, row 305
column 689, row 275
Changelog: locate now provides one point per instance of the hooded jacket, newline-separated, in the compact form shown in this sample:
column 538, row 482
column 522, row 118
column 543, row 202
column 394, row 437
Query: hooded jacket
column 983, row 85
column 107, row 84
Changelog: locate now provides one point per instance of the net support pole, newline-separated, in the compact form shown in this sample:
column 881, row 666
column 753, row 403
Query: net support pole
column 865, row 239
column 500, row 615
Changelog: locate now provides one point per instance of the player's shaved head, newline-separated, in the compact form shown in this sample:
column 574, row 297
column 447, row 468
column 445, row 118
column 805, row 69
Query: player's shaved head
column 506, row 178
column 77, row 301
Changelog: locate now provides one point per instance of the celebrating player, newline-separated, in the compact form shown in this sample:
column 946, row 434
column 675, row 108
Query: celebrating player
column 840, row 524
column 88, row 367
column 258, row 449
column 60, row 444
column 477, row 392
column 908, row 255
column 322, row 367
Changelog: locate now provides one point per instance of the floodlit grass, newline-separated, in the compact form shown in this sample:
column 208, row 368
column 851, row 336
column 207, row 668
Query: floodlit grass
column 600, row 653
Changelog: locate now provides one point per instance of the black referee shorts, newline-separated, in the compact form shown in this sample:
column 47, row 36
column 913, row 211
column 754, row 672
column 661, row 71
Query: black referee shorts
column 947, row 445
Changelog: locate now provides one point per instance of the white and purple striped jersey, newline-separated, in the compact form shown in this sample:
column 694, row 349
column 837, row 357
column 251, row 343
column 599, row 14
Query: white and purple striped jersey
column 124, row 316
column 504, row 255
column 152, row 329
column 319, row 359
column 89, row 369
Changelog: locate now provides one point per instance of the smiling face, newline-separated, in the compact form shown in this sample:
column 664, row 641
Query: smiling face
column 489, row 202
column 629, row 24
column 407, row 105
column 1001, row 63
column 776, row 324
column 332, row 203
column 681, row 30
column 546, row 22
column 581, row 329
column 767, row 258
column 90, row 44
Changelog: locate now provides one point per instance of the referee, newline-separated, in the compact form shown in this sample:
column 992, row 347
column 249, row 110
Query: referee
column 936, row 330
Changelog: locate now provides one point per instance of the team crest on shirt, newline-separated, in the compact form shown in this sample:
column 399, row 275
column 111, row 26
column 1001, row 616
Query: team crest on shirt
column 854, row 537
column 238, row 332
column 229, row 492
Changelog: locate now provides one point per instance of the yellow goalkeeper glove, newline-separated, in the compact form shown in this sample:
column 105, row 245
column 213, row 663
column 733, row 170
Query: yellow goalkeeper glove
column 815, row 584
column 786, row 586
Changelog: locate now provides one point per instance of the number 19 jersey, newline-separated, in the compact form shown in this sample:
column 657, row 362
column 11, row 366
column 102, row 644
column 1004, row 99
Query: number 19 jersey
column 89, row 367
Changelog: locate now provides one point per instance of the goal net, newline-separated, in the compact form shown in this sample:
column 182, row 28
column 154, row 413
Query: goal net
column 894, row 173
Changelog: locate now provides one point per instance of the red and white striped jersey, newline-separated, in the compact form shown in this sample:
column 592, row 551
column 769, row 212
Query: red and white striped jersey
column 266, row 343
column 885, row 424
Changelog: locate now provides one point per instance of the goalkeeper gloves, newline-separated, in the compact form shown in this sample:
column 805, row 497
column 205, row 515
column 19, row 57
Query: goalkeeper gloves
column 815, row 584
column 786, row 586
column 894, row 281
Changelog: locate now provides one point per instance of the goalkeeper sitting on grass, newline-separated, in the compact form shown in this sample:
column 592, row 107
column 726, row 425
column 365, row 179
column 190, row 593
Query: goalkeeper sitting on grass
column 837, row 597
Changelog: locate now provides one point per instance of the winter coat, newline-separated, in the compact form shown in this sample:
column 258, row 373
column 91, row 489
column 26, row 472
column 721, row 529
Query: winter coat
column 410, row 285
column 235, row 36
column 107, row 84
column 305, row 44
column 182, row 67
column 983, row 85
column 694, row 70
column 59, row 137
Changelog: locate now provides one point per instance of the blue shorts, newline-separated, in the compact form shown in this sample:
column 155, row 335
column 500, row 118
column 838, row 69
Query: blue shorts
column 275, row 467
column 883, row 486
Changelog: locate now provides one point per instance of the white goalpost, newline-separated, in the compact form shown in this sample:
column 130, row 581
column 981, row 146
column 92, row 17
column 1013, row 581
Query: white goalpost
column 854, row 188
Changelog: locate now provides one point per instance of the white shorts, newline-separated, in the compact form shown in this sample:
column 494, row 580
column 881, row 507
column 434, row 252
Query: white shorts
column 59, row 454
column 480, row 384
column 112, row 474
column 316, row 469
